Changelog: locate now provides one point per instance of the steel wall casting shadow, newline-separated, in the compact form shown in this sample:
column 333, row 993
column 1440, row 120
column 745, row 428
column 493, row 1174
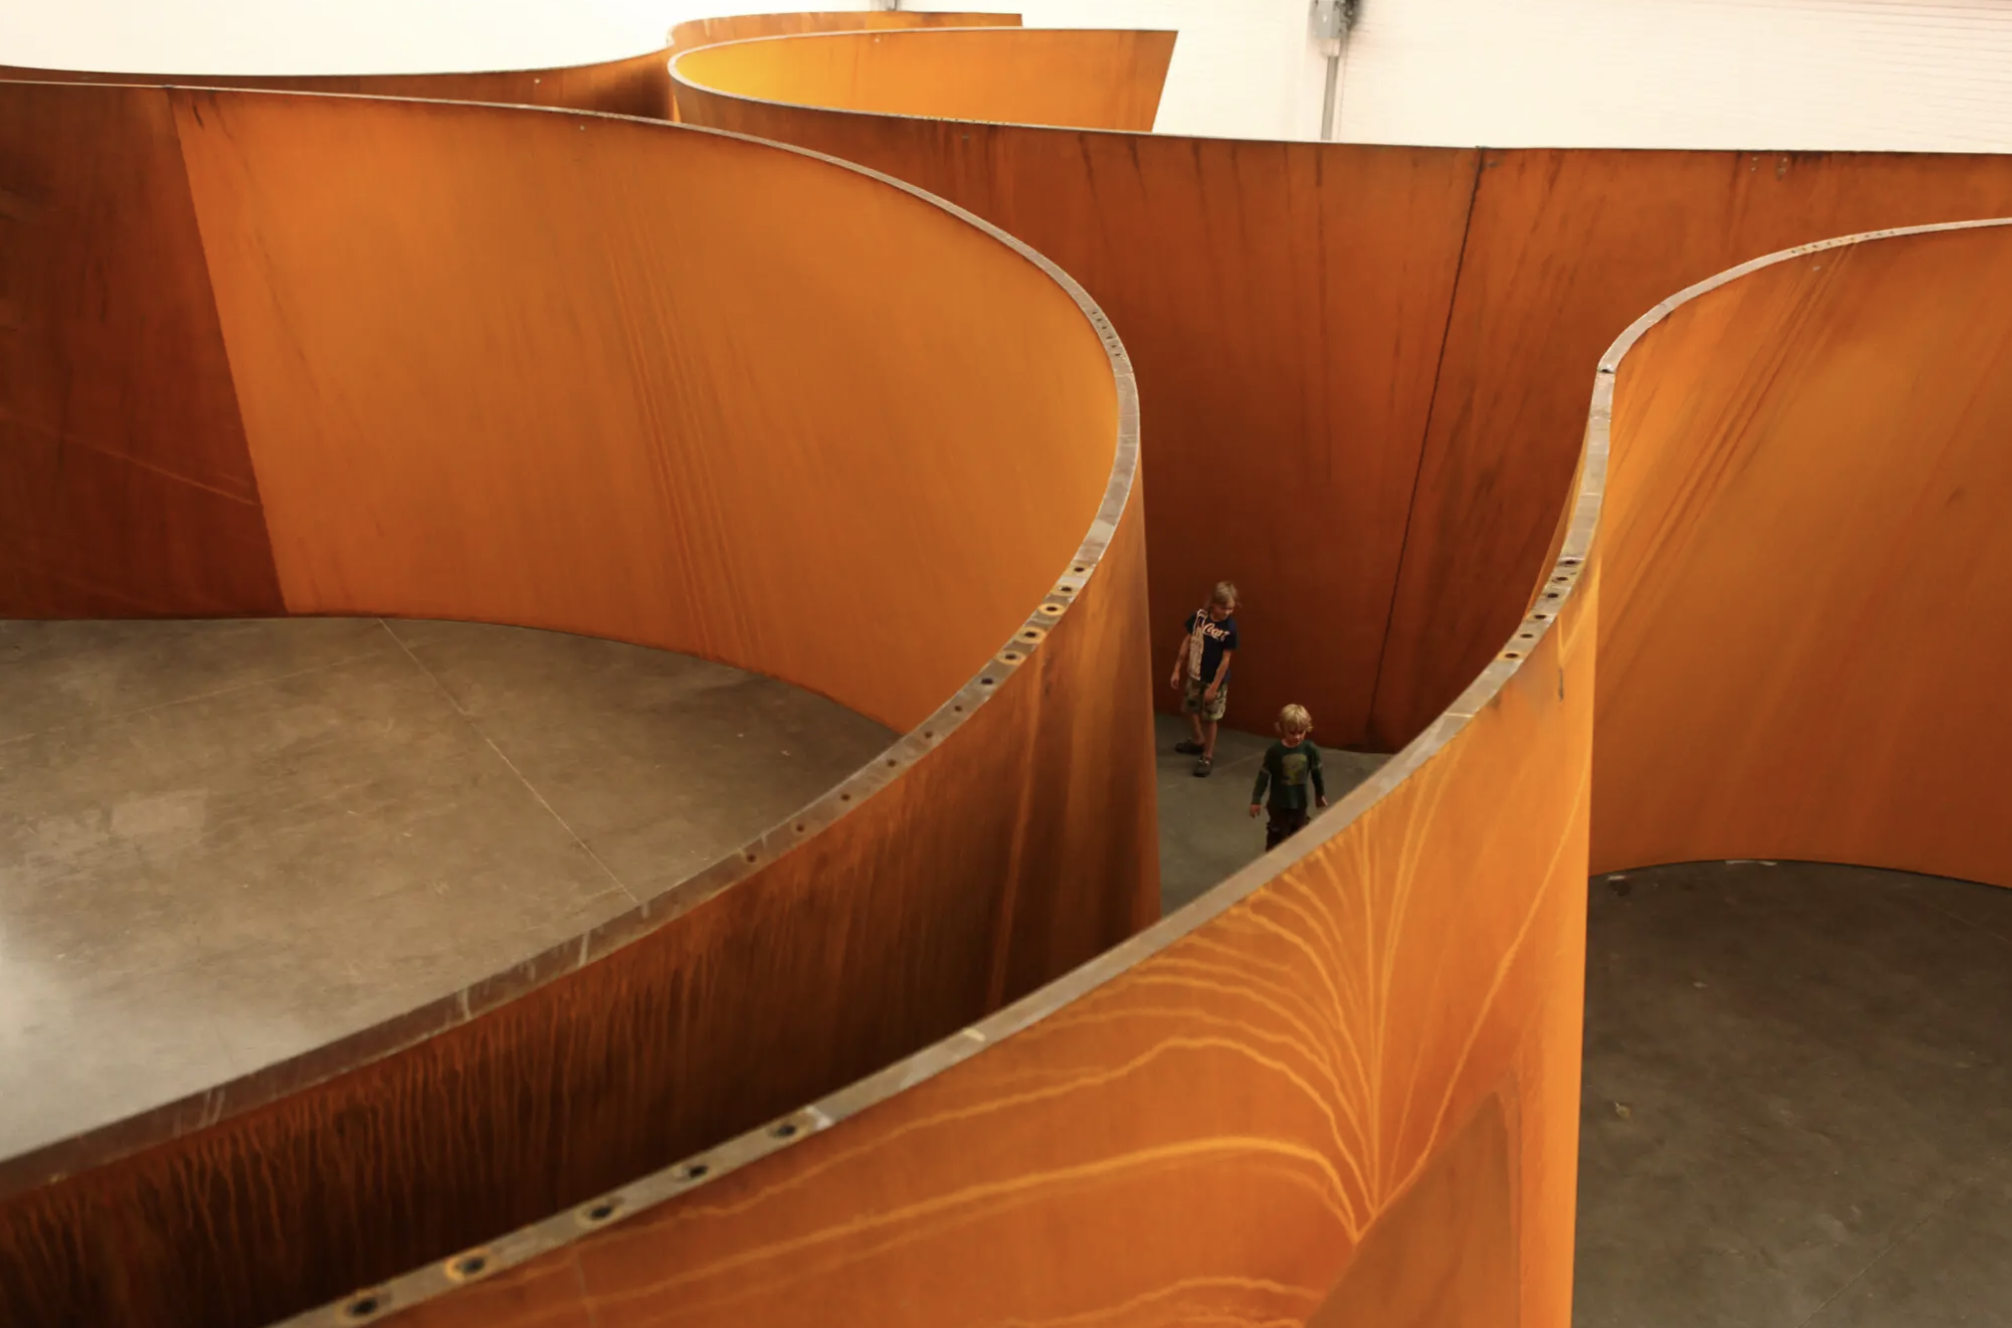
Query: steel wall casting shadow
column 615, row 377
column 1340, row 1088
column 1359, row 364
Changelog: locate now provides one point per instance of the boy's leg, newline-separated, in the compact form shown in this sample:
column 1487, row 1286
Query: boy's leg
column 1212, row 712
column 1285, row 822
column 1191, row 705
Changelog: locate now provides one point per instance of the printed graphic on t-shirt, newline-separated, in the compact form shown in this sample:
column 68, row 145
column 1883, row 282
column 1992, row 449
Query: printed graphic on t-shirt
column 1207, row 640
column 1292, row 769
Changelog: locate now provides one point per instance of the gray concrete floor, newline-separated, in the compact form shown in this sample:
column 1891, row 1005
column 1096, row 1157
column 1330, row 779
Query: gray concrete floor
column 222, row 843
column 1206, row 830
column 1798, row 1100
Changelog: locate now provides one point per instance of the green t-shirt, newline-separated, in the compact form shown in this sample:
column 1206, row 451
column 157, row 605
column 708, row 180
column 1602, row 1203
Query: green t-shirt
column 1289, row 770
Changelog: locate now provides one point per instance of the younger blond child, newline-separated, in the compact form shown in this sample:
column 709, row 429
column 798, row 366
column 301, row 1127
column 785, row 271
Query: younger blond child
column 1290, row 765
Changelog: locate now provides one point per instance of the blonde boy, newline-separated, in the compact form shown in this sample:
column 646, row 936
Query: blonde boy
column 1202, row 673
column 1290, row 765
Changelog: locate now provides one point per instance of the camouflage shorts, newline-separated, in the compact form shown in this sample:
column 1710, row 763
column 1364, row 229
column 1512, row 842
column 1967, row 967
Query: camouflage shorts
column 1212, row 711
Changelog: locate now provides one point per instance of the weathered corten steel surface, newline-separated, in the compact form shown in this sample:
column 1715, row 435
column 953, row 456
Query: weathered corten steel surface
column 1360, row 366
column 691, row 391
column 355, row 443
column 125, row 486
column 638, row 85
column 1810, row 568
column 1564, row 248
column 1082, row 78
column 495, row 363
column 1285, row 301
column 740, row 27
column 1342, row 1088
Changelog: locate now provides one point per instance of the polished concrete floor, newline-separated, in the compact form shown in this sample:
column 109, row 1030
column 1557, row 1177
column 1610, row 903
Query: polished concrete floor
column 222, row 843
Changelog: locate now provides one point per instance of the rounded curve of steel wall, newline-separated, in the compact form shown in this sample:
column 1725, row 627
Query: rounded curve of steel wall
column 683, row 411
column 1362, row 343
column 1341, row 1088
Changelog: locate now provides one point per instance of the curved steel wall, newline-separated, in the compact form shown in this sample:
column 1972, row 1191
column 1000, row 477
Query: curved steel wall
column 1810, row 571
column 1341, row 1088
column 609, row 376
column 739, row 27
column 1350, row 356
column 698, row 32
column 639, row 85
column 1286, row 301
column 1083, row 78
column 125, row 485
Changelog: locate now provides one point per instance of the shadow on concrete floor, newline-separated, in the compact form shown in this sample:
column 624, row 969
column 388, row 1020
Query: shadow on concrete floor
column 1798, row 1100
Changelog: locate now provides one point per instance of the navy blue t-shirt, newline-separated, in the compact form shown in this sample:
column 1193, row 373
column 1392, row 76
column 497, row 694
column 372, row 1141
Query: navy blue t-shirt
column 1216, row 637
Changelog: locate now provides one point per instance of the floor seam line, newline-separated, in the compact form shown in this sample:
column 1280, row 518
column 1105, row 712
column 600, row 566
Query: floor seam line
column 124, row 715
column 1961, row 921
column 509, row 764
column 1885, row 1250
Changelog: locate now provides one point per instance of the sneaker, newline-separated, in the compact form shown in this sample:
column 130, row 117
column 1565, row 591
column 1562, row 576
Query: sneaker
column 1188, row 747
column 1203, row 766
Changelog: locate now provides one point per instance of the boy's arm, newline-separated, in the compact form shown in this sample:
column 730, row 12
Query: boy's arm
column 1263, row 779
column 1222, row 671
column 1229, row 650
column 1181, row 653
column 1313, row 768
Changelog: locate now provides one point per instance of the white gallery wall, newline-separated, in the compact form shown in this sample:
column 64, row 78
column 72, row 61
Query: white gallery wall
column 1239, row 67
column 1807, row 74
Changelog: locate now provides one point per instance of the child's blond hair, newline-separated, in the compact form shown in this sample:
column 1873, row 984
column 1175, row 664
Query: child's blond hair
column 1225, row 594
column 1295, row 719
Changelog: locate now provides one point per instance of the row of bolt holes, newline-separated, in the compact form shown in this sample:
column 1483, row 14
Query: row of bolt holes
column 929, row 735
column 787, row 1129
column 463, row 1268
column 1549, row 594
column 472, row 1265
